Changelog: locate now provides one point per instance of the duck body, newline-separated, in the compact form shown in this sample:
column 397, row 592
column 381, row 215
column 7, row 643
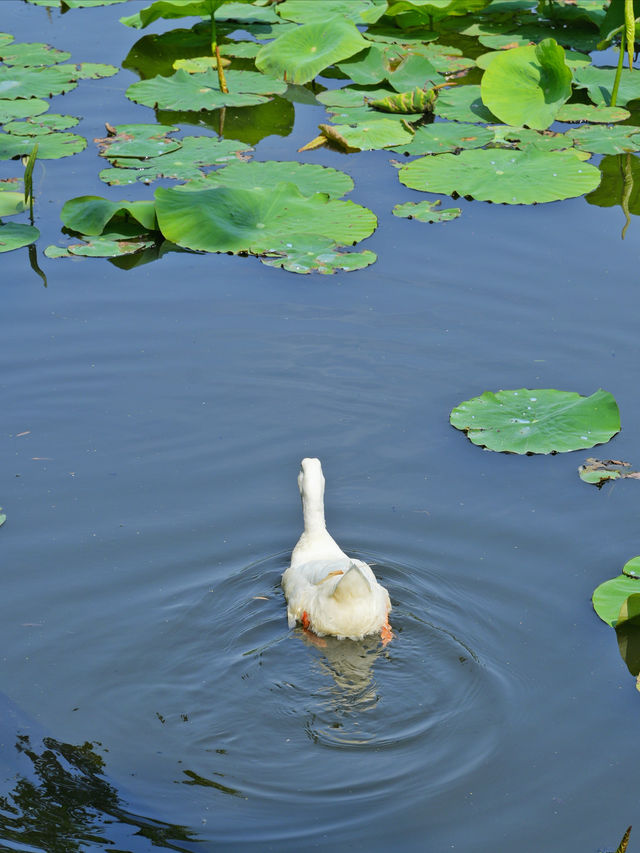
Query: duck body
column 327, row 591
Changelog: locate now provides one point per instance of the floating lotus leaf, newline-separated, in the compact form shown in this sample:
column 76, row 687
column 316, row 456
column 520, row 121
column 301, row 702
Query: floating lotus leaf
column 11, row 203
column 200, row 63
column 223, row 219
column 498, row 175
column 406, row 103
column 359, row 11
column 502, row 41
column 90, row 70
column 170, row 9
column 363, row 115
column 10, row 110
column 137, row 140
column 183, row 91
column 527, row 85
column 463, row 103
column 317, row 255
column 598, row 471
column 620, row 184
column 36, row 125
column 447, row 136
column 32, row 54
column 183, row 164
column 244, row 49
column 351, row 96
column 89, row 214
column 301, row 54
column 110, row 245
column 426, row 211
column 18, row 82
column 391, row 34
column 416, row 12
column 245, row 12
column 445, row 59
column 609, row 597
column 599, row 84
column 51, row 146
column 5, row 39
column 309, row 178
column 601, row 139
column 367, row 136
column 524, row 137
column 571, row 57
column 403, row 70
column 591, row 113
column 538, row 421
column 14, row 236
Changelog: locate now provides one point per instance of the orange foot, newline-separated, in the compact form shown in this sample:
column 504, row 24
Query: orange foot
column 386, row 633
column 305, row 620
column 313, row 638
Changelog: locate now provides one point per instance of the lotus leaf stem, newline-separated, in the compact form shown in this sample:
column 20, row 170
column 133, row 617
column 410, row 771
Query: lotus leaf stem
column 616, row 82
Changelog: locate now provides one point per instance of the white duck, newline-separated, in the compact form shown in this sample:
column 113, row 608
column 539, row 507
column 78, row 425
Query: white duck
column 327, row 591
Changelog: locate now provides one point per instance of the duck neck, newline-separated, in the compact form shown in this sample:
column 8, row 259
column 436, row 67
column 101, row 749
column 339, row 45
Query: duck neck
column 313, row 512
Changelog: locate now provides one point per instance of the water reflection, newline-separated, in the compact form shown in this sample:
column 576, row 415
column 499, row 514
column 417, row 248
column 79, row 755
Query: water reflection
column 620, row 185
column 63, row 803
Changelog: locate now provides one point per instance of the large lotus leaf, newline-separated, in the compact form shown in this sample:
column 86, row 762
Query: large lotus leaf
column 170, row 9
column 538, row 421
column 51, row 146
column 89, row 214
column 309, row 178
column 137, row 140
column 591, row 113
column 498, row 175
column 183, row 165
column 447, row 136
column 32, row 54
column 609, row 597
column 183, row 91
column 620, row 184
column 299, row 55
column 600, row 139
column 317, row 255
column 11, row 203
column 359, row 11
column 224, row 219
column 403, row 70
column 14, row 236
column 10, row 110
column 599, row 84
column 527, row 85
column 36, row 125
column 463, row 103
column 426, row 211
column 367, row 136
column 16, row 82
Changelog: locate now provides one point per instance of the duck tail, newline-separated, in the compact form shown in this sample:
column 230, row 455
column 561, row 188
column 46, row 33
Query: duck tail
column 352, row 585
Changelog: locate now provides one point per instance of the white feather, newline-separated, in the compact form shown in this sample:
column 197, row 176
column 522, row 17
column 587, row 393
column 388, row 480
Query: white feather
column 340, row 595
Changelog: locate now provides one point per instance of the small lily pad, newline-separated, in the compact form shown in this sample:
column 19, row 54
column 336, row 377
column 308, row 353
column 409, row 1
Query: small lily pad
column 51, row 146
column 36, row 125
column 183, row 91
column 506, row 176
column 33, row 54
column 447, row 136
column 538, row 421
column 601, row 139
column 16, row 82
column 426, row 211
column 10, row 110
column 11, row 203
column 598, row 471
column 609, row 597
column 367, row 136
column 137, row 140
column 109, row 245
column 15, row 235
column 317, row 256
column 300, row 55
column 591, row 113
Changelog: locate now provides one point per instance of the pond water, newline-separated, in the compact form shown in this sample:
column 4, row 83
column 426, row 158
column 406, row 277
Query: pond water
column 152, row 424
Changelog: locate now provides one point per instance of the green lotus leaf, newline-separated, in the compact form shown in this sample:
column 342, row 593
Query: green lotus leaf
column 599, row 84
column 244, row 49
column 632, row 568
column 317, row 255
column 406, row 103
column 538, row 421
column 170, row 9
column 609, row 597
column 463, row 103
column 591, row 113
column 309, row 178
column 36, row 125
column 5, row 39
column 183, row 164
column 524, row 137
column 359, row 11
column 183, row 91
column 138, row 140
column 11, row 203
column 352, row 96
column 89, row 214
column 91, row 70
column 14, row 236
column 597, row 471
column 245, row 12
column 367, row 136
column 601, row 139
column 447, row 136
column 32, row 54
column 502, row 41
column 620, row 184
column 527, row 85
column 403, row 70
column 389, row 33
column 571, row 57
column 445, row 59
column 426, row 211
column 498, row 175
column 16, row 82
column 10, row 110
column 199, row 63
column 110, row 245
column 413, row 13
column 301, row 54
column 225, row 219
column 51, row 146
